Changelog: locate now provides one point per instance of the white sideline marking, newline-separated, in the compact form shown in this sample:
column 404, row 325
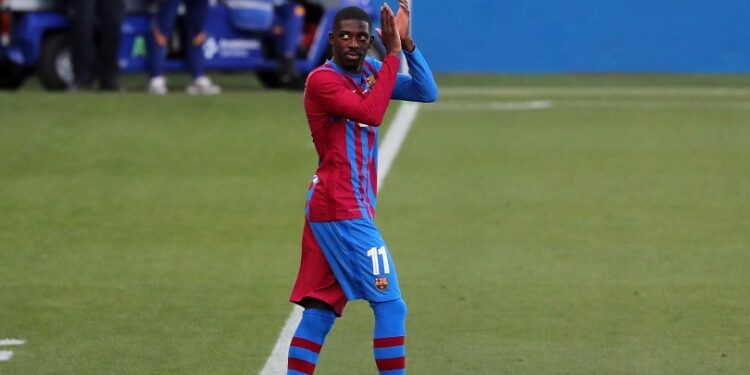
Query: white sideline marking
column 492, row 106
column 465, row 106
column 407, row 112
column 6, row 355
column 395, row 137
column 593, row 91
column 655, row 104
column 11, row 342
column 276, row 362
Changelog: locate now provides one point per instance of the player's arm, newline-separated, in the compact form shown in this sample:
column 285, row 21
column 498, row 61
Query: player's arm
column 329, row 91
column 419, row 85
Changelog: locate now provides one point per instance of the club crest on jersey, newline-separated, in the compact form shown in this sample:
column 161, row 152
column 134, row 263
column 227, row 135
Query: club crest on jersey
column 370, row 82
column 381, row 283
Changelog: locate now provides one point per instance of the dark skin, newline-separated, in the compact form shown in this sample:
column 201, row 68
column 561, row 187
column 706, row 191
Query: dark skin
column 350, row 40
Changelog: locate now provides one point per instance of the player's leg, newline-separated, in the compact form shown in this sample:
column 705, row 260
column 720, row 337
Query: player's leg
column 309, row 337
column 157, row 45
column 317, row 290
column 161, row 32
column 111, row 14
column 82, row 34
column 292, row 18
column 364, row 267
column 388, row 336
column 315, row 279
column 381, row 288
column 195, row 17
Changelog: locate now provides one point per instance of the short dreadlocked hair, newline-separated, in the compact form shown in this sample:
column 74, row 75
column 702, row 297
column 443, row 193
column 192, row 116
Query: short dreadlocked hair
column 352, row 13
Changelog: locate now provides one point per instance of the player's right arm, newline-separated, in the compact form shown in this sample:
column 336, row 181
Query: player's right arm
column 331, row 92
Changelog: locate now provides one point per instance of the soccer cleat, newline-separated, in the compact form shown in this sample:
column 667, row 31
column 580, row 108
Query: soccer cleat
column 203, row 86
column 158, row 86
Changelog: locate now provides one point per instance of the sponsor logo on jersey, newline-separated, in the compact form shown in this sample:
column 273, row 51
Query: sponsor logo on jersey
column 381, row 283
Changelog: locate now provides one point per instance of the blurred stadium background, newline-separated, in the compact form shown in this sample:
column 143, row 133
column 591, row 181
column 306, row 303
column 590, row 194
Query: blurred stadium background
column 589, row 220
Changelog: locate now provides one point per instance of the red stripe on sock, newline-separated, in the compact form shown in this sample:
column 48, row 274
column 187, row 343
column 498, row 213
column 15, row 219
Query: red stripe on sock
column 388, row 341
column 391, row 363
column 301, row 366
column 306, row 344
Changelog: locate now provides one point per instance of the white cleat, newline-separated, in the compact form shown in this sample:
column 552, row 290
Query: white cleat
column 158, row 86
column 203, row 86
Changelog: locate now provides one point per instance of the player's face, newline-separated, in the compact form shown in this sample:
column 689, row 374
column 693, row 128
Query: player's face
column 350, row 40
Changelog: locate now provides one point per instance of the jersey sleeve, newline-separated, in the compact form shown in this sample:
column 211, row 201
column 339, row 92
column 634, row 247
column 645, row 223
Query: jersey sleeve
column 419, row 84
column 329, row 91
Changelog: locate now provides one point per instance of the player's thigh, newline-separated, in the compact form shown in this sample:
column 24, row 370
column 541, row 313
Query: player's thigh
column 375, row 269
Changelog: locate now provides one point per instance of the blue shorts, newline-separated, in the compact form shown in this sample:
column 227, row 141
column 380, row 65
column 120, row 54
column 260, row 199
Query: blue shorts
column 358, row 257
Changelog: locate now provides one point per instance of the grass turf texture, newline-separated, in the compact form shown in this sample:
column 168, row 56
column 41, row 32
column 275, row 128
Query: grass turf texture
column 606, row 234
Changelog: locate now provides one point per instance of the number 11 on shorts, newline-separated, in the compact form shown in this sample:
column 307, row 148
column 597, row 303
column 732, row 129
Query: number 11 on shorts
column 373, row 254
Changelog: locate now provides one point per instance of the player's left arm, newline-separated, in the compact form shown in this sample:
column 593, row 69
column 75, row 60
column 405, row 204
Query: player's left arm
column 419, row 85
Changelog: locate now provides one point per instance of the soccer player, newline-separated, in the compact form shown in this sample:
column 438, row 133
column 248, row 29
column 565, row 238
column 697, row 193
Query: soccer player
column 195, row 21
column 344, row 257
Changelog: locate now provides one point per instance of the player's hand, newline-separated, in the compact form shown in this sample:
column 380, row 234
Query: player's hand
column 389, row 33
column 403, row 21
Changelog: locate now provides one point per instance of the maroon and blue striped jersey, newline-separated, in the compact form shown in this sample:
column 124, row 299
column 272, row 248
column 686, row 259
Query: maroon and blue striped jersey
column 344, row 111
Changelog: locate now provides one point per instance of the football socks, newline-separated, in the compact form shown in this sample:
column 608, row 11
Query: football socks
column 388, row 338
column 308, row 340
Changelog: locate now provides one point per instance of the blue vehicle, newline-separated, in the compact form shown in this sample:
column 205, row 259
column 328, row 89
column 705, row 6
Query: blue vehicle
column 34, row 38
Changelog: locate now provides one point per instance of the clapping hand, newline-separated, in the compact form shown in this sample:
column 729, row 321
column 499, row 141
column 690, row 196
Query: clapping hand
column 389, row 33
column 403, row 25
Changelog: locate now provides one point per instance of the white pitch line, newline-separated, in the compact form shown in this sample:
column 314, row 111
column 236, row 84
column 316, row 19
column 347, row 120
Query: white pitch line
column 276, row 362
column 11, row 342
column 6, row 355
column 492, row 106
column 407, row 112
column 395, row 137
column 449, row 92
column 655, row 104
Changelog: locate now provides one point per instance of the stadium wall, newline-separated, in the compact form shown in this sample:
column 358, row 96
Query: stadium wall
column 539, row 36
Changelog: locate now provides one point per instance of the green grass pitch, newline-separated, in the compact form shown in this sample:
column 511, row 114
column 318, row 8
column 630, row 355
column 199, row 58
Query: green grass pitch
column 605, row 230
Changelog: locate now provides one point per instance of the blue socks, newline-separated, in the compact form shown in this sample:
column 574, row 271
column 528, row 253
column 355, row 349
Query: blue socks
column 308, row 340
column 388, row 338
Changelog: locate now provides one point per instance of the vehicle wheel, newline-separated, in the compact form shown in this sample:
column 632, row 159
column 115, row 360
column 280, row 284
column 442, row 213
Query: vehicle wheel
column 12, row 75
column 55, row 66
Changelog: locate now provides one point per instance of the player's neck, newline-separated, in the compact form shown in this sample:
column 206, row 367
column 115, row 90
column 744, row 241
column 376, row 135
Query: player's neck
column 350, row 70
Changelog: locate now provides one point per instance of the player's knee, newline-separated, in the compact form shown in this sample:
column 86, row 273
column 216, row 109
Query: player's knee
column 396, row 307
column 312, row 303
column 199, row 39
column 400, row 307
column 159, row 37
